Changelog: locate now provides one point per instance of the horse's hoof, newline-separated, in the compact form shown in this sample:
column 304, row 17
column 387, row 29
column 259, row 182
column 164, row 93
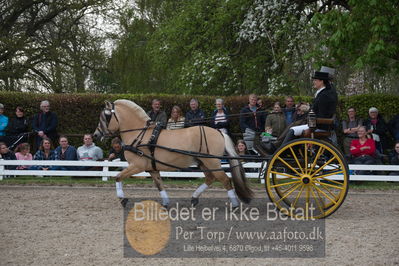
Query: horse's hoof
column 194, row 201
column 124, row 202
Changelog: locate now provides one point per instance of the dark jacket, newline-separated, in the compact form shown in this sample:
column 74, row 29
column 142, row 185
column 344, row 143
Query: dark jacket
column 120, row 155
column 325, row 105
column 17, row 126
column 225, row 125
column 46, row 122
column 194, row 118
column 253, row 120
column 394, row 158
column 289, row 114
column 9, row 156
column 158, row 117
column 380, row 129
column 69, row 155
column 393, row 126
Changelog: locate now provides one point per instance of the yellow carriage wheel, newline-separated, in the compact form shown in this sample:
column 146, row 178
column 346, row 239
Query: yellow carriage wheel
column 307, row 178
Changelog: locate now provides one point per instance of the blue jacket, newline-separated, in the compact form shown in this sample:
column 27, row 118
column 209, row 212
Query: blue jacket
column 3, row 124
column 46, row 122
column 253, row 120
column 69, row 155
column 194, row 118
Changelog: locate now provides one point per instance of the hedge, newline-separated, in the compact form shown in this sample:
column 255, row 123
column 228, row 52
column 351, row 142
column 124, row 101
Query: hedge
column 79, row 113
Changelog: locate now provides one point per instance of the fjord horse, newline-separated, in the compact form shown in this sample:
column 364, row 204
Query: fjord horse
column 135, row 129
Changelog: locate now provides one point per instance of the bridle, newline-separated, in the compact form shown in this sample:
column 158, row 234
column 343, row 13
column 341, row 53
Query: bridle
column 108, row 114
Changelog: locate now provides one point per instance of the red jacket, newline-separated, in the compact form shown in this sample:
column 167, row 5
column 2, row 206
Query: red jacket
column 356, row 151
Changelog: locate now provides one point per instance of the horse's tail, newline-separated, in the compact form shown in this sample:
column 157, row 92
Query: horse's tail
column 241, row 187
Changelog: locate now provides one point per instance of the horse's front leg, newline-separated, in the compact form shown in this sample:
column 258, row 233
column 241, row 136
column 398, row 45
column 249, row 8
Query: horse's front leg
column 129, row 171
column 158, row 182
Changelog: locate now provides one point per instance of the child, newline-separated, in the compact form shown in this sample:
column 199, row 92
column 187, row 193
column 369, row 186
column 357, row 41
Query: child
column 23, row 153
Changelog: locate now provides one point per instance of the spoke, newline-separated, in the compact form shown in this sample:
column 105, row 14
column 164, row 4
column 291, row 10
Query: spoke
column 284, row 174
column 317, row 201
column 321, row 168
column 332, row 181
column 289, row 166
column 329, row 191
column 329, row 174
column 289, row 193
column 326, row 184
column 296, row 159
column 284, row 184
column 322, row 192
column 316, row 158
column 285, row 190
column 306, row 158
column 297, row 197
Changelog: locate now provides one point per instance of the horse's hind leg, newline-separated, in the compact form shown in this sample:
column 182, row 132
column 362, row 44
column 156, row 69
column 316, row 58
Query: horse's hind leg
column 209, row 179
column 158, row 182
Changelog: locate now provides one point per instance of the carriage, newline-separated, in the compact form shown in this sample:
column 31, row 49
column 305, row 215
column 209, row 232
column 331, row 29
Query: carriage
column 307, row 178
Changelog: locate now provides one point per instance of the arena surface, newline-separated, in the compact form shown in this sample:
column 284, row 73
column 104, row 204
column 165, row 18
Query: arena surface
column 84, row 226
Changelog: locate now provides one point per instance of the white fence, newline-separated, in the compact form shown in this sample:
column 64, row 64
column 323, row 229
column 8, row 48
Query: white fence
column 105, row 173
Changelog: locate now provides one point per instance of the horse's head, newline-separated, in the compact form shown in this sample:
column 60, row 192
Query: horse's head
column 108, row 123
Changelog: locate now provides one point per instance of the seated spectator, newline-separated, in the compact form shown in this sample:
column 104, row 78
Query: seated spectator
column 3, row 121
column 394, row 158
column 156, row 114
column 117, row 151
column 289, row 110
column 194, row 117
column 45, row 153
column 89, row 151
column 220, row 117
column 350, row 127
column 6, row 154
column 45, row 123
column 393, row 126
column 275, row 121
column 65, row 152
column 176, row 119
column 241, row 148
column 363, row 149
column 22, row 152
column 17, row 128
column 376, row 126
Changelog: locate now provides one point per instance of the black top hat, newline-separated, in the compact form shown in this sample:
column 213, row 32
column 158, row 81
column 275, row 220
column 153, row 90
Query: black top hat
column 321, row 75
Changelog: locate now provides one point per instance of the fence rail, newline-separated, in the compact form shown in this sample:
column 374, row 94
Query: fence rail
column 252, row 170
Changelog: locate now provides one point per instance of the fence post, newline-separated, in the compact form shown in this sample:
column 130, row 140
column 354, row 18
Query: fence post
column 1, row 170
column 105, row 169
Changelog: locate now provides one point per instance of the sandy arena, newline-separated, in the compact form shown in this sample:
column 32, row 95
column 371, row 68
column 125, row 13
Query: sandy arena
column 84, row 226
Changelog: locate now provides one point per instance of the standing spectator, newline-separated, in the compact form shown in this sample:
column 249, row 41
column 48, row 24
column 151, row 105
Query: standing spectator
column 394, row 158
column 156, row 114
column 363, row 149
column 117, row 151
column 17, row 127
column 350, row 127
column 289, row 110
column 45, row 153
column 376, row 126
column 23, row 153
column 176, row 119
column 393, row 126
column 194, row 117
column 275, row 121
column 220, row 117
column 89, row 151
column 45, row 123
column 3, row 121
column 6, row 154
column 65, row 152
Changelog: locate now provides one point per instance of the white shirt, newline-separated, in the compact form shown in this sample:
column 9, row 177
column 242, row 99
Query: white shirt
column 318, row 91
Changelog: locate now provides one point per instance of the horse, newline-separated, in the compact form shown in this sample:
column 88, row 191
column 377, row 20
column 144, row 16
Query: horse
column 174, row 149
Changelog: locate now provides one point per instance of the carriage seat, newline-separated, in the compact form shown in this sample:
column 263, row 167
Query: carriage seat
column 320, row 134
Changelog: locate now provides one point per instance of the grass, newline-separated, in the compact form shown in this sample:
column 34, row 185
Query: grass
column 169, row 182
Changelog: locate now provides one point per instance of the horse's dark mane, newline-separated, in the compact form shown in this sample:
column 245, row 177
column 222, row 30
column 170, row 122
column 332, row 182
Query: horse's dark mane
column 136, row 108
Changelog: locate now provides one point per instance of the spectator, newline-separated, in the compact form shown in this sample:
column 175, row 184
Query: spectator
column 241, row 148
column 261, row 105
column 117, row 151
column 394, row 158
column 156, row 114
column 275, row 121
column 65, row 152
column 301, row 114
column 6, row 154
column 23, row 153
column 45, row 123
column 194, row 117
column 363, row 149
column 17, row 127
column 220, row 117
column 393, row 126
column 176, row 119
column 376, row 126
column 45, row 153
column 3, row 121
column 289, row 110
column 350, row 128
column 89, row 151
column 252, row 120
